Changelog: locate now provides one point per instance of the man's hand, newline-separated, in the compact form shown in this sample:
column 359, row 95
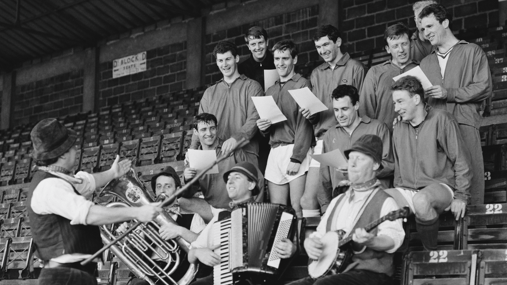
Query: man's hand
column 229, row 145
column 436, row 91
column 189, row 173
column 313, row 247
column 169, row 231
column 148, row 212
column 263, row 124
column 285, row 248
column 293, row 168
column 458, row 208
column 207, row 256
column 361, row 236
column 119, row 168
column 305, row 112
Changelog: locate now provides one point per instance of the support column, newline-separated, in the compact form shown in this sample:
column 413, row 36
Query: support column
column 502, row 8
column 9, row 89
column 329, row 14
column 90, row 79
column 195, row 53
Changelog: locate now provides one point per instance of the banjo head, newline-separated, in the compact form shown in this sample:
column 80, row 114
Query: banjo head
column 320, row 267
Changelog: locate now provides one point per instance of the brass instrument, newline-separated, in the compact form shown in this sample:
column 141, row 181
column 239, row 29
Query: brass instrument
column 132, row 249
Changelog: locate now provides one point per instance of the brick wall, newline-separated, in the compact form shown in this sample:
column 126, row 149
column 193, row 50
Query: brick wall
column 57, row 96
column 299, row 25
column 364, row 21
column 165, row 73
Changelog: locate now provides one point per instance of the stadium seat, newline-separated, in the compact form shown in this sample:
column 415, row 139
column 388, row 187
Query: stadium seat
column 170, row 147
column 149, row 150
column 7, row 173
column 130, row 150
column 90, row 159
column 442, row 267
column 492, row 267
column 486, row 226
column 22, row 173
column 108, row 155
column 77, row 163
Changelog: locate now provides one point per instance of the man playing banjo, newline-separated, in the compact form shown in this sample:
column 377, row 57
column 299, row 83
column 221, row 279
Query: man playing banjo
column 363, row 203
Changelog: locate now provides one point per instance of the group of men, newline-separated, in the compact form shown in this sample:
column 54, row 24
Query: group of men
column 405, row 145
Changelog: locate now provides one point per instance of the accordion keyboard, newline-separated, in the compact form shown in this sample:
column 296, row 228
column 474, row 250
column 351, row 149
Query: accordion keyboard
column 221, row 273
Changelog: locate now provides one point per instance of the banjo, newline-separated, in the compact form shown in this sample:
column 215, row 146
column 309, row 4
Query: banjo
column 333, row 258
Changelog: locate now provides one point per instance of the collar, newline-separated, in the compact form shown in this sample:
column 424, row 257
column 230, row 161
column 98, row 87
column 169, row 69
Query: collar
column 460, row 42
column 52, row 169
column 217, row 148
column 294, row 78
column 241, row 76
column 55, row 168
column 366, row 185
column 428, row 109
column 390, row 62
column 362, row 119
column 341, row 62
column 268, row 58
column 235, row 204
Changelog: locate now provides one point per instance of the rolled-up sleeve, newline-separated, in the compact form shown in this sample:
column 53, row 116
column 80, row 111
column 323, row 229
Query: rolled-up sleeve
column 392, row 229
column 206, row 233
column 56, row 196
column 87, row 187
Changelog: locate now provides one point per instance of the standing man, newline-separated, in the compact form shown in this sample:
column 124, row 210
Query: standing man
column 461, row 79
column 349, row 129
column 352, row 211
column 212, row 186
column 241, row 186
column 420, row 47
column 376, row 99
column 337, row 69
column 290, row 140
column 230, row 101
column 63, row 222
column 432, row 165
column 260, row 59
column 253, row 67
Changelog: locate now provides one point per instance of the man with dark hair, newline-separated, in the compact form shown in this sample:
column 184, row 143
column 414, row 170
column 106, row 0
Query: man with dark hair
column 349, row 129
column 241, row 184
column 432, row 165
column 63, row 222
column 352, row 211
column 290, row 140
column 212, row 186
column 337, row 69
column 420, row 47
column 230, row 101
column 461, row 79
column 260, row 59
column 376, row 99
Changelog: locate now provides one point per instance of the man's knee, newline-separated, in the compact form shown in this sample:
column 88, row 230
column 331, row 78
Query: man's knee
column 422, row 205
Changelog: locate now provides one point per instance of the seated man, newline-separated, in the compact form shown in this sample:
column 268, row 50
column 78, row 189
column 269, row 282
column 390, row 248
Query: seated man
column 432, row 166
column 241, row 186
column 363, row 203
column 212, row 186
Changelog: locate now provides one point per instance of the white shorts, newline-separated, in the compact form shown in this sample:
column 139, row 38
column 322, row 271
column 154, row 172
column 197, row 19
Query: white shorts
column 317, row 149
column 409, row 195
column 278, row 161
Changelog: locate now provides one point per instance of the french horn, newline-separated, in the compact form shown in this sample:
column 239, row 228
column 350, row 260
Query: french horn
column 134, row 249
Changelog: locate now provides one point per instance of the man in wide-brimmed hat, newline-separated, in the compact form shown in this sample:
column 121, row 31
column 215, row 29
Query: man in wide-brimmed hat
column 63, row 222
column 364, row 202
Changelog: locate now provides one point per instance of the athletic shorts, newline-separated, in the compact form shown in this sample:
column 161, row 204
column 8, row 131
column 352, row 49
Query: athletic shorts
column 317, row 149
column 278, row 161
column 409, row 194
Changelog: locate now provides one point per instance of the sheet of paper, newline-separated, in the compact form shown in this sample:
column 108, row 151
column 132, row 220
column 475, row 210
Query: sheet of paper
column 306, row 99
column 202, row 159
column 417, row 73
column 267, row 109
column 333, row 158
column 270, row 77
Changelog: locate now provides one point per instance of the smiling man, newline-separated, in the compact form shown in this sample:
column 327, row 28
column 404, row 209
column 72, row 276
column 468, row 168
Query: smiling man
column 290, row 140
column 432, row 165
column 337, row 69
column 461, row 79
column 212, row 186
column 376, row 99
column 260, row 59
column 349, row 129
column 230, row 101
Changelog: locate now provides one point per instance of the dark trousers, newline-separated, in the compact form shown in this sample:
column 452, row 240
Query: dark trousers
column 352, row 277
column 65, row 276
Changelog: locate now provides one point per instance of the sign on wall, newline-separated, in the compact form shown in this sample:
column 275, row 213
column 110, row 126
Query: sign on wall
column 129, row 65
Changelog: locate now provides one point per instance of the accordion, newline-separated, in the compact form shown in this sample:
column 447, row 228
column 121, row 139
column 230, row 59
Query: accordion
column 247, row 240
